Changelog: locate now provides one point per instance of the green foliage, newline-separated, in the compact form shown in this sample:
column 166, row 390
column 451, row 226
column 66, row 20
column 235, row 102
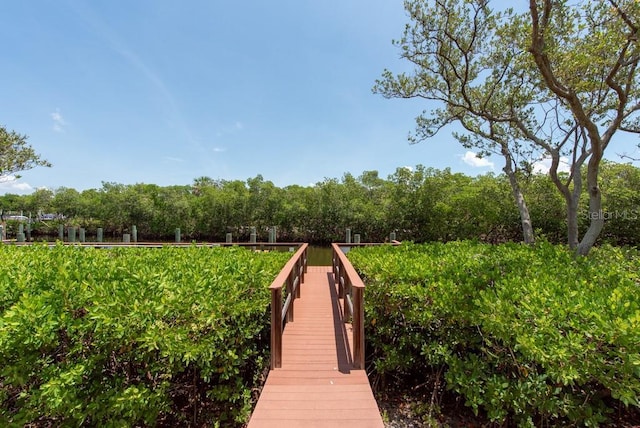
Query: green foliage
column 128, row 336
column 524, row 333
column 420, row 204
column 16, row 154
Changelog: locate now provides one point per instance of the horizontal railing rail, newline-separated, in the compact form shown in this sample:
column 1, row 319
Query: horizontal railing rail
column 291, row 278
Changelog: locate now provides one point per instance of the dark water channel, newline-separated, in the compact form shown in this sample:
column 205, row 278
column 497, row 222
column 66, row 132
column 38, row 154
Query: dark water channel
column 319, row 256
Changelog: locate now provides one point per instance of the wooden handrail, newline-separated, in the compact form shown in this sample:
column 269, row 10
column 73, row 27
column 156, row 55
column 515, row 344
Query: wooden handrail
column 291, row 276
column 351, row 289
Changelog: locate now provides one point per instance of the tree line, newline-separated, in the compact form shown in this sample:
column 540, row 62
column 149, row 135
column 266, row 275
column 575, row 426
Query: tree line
column 419, row 204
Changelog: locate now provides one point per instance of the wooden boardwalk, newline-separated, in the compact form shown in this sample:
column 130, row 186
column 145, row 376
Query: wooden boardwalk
column 316, row 385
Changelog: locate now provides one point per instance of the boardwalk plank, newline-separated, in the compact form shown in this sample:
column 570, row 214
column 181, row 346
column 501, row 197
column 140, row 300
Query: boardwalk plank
column 316, row 385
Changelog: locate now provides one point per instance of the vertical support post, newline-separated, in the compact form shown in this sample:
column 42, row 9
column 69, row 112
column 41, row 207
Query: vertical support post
column 2, row 237
column 356, row 238
column 299, row 274
column 346, row 294
column 134, row 233
column 348, row 237
column 82, row 234
column 126, row 238
column 99, row 233
column 276, row 328
column 358, row 327
column 290, row 280
column 61, row 232
column 341, row 279
column 306, row 262
column 72, row 234
column 178, row 237
column 29, row 229
column 392, row 236
column 334, row 262
column 303, row 261
column 253, row 236
column 229, row 238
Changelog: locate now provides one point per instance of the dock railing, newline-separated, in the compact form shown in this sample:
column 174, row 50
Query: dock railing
column 351, row 290
column 290, row 278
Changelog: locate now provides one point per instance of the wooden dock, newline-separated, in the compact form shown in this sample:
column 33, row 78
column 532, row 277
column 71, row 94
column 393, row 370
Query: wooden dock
column 317, row 386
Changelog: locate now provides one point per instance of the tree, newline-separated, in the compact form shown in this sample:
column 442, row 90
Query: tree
column 557, row 82
column 587, row 56
column 16, row 154
column 458, row 63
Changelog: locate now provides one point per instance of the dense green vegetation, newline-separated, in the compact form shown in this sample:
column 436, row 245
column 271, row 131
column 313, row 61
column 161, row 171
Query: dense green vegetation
column 131, row 336
column 419, row 204
column 529, row 335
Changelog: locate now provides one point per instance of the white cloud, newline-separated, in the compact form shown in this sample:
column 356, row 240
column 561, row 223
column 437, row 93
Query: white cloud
column 542, row 166
column 10, row 184
column 218, row 149
column 58, row 121
column 471, row 158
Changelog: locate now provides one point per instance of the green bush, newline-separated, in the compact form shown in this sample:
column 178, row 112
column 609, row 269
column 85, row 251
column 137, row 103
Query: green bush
column 130, row 336
column 526, row 334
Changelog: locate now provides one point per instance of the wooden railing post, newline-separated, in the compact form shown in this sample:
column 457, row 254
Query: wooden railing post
column 276, row 328
column 299, row 274
column 358, row 327
column 290, row 281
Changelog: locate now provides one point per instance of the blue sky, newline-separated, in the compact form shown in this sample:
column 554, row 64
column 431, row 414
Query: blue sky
column 162, row 92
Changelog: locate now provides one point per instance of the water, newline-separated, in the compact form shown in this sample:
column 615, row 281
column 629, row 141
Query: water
column 319, row 256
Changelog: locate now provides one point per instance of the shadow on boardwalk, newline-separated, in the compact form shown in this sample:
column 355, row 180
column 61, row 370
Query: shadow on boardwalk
column 317, row 385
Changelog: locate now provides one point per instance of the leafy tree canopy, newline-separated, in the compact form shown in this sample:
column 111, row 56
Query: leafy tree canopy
column 16, row 154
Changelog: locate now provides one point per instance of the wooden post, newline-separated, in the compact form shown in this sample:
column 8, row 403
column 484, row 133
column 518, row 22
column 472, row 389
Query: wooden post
column 358, row 327
column 276, row 328
column 290, row 280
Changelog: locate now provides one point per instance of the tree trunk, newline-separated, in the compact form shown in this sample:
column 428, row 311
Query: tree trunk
column 525, row 218
column 596, row 217
column 572, row 221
